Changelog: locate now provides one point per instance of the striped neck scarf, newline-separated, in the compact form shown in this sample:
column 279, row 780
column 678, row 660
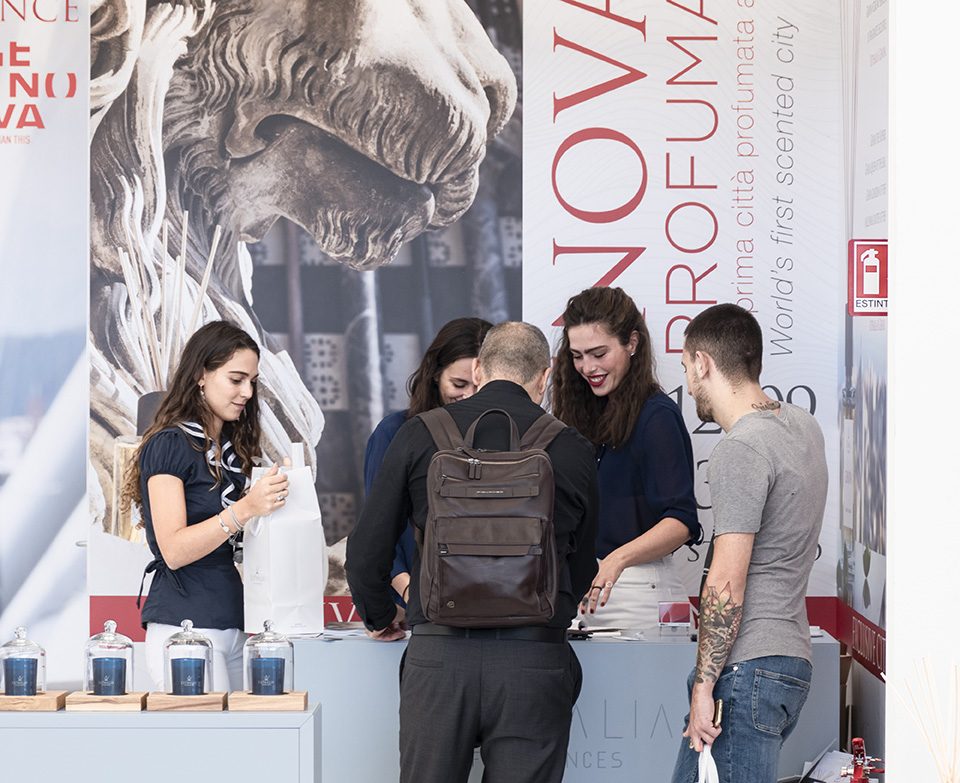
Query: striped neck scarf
column 227, row 463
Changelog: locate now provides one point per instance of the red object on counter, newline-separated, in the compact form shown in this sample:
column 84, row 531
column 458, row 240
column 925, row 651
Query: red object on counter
column 863, row 765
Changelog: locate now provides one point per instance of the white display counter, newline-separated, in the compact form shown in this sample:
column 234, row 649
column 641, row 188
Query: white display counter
column 626, row 725
column 159, row 747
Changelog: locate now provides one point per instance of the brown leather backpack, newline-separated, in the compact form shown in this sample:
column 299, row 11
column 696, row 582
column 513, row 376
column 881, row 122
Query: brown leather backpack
column 488, row 555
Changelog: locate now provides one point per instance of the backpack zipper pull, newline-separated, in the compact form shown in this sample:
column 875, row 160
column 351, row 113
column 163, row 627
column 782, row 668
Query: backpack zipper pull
column 474, row 470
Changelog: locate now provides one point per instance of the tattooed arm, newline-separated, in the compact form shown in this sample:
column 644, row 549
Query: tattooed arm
column 721, row 609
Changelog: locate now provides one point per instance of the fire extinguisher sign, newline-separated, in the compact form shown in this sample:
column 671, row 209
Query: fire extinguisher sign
column 867, row 277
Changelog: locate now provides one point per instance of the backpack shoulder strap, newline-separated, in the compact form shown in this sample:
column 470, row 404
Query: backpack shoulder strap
column 443, row 429
column 542, row 432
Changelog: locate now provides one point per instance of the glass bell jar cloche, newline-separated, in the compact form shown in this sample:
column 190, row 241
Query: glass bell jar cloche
column 268, row 663
column 108, row 663
column 188, row 662
column 23, row 666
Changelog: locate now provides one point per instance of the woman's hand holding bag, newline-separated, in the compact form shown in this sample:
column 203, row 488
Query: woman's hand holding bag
column 267, row 494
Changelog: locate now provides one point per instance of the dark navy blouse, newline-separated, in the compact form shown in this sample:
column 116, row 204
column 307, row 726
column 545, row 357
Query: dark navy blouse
column 648, row 478
column 372, row 459
column 207, row 591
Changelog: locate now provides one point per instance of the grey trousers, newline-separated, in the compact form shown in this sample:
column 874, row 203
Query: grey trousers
column 512, row 698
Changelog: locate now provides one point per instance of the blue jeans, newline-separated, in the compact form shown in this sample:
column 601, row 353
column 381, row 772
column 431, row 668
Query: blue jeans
column 762, row 699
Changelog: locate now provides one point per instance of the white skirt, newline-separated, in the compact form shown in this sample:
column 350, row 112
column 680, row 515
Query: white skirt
column 633, row 604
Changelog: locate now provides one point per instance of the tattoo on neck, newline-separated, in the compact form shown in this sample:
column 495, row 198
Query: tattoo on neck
column 767, row 405
column 720, row 620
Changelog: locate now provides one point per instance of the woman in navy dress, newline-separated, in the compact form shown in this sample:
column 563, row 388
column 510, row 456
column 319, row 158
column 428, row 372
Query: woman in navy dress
column 604, row 385
column 190, row 480
column 445, row 375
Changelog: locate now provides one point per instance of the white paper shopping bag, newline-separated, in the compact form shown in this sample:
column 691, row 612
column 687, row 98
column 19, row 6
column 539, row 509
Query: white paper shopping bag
column 285, row 559
column 708, row 767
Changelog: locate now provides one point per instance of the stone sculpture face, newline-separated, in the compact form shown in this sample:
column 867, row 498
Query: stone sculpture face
column 363, row 121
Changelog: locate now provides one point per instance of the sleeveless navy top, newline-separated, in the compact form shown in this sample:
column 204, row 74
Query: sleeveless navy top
column 207, row 591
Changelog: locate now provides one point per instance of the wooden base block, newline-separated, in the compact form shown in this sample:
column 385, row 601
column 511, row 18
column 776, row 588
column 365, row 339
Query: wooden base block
column 51, row 701
column 241, row 701
column 167, row 702
column 91, row 702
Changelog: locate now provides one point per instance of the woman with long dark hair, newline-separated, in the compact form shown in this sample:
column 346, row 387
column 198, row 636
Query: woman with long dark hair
column 190, row 481
column 605, row 386
column 445, row 375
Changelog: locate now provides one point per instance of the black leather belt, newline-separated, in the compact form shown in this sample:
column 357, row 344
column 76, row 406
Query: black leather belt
column 529, row 634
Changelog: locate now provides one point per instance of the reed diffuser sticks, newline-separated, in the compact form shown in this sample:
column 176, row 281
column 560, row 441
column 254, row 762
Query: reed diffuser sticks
column 939, row 723
column 160, row 346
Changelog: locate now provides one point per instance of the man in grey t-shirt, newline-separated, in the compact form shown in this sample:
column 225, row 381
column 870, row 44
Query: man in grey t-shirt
column 768, row 487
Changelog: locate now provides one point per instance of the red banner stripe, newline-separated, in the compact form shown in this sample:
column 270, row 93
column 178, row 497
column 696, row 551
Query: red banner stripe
column 123, row 609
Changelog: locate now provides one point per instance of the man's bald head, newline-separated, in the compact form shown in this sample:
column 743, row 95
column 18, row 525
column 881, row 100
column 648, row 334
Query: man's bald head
column 515, row 351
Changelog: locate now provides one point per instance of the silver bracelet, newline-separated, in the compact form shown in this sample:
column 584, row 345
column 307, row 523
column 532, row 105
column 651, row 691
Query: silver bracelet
column 223, row 525
column 235, row 520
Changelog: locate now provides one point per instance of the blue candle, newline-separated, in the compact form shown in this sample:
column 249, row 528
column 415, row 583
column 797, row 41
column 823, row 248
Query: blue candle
column 109, row 676
column 20, row 676
column 266, row 676
column 187, row 676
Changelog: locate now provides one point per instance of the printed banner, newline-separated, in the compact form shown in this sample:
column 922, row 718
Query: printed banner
column 44, row 53
column 861, row 569
column 691, row 153
column 239, row 171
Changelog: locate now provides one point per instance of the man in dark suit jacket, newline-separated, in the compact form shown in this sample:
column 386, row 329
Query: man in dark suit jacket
column 511, row 691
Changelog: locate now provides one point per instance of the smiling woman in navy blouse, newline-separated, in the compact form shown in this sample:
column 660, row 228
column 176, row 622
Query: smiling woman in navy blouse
column 604, row 385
